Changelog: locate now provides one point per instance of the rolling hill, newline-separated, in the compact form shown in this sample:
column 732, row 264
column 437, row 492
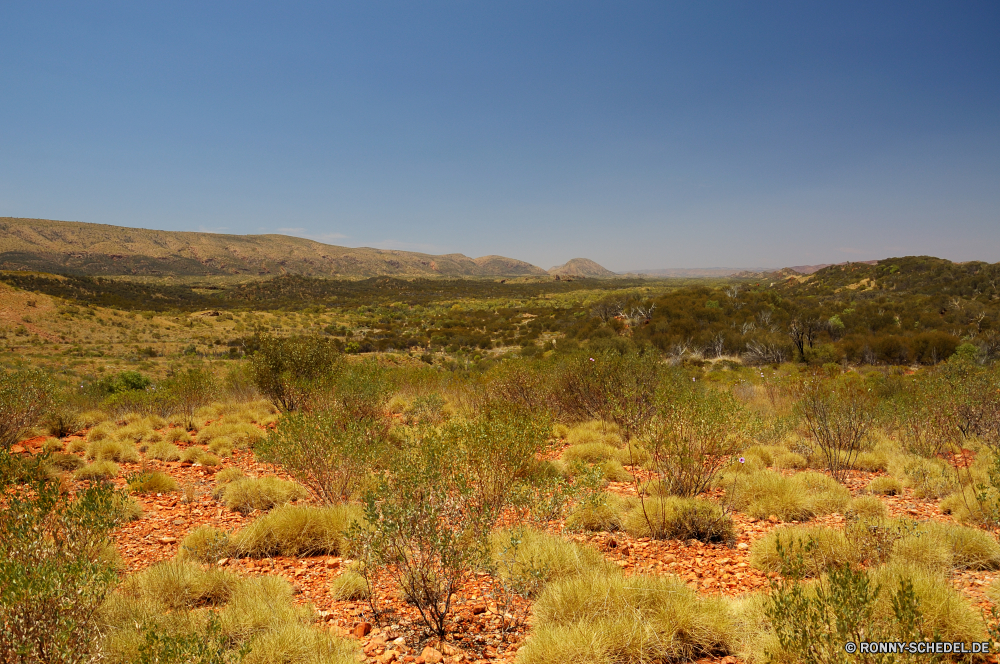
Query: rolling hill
column 77, row 248
column 581, row 268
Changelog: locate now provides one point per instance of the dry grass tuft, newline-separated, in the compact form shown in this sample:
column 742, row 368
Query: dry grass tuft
column 99, row 470
column 614, row 619
column 120, row 451
column 154, row 482
column 295, row 530
column 163, row 451
column 247, row 495
column 670, row 517
column 885, row 485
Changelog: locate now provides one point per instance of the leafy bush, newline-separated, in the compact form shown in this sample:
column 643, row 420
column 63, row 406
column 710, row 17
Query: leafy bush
column 248, row 494
column 839, row 415
column 294, row 530
column 427, row 529
column 189, row 390
column 286, row 370
column 612, row 618
column 610, row 386
column 327, row 451
column 24, row 397
column 698, row 432
column 52, row 576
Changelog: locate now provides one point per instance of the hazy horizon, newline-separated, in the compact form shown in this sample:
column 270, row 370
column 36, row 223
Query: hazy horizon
column 638, row 135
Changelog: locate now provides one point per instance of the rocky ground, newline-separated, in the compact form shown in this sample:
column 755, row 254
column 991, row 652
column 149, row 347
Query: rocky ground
column 478, row 635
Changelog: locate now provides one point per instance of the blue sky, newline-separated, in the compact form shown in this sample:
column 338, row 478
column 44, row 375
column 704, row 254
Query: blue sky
column 642, row 135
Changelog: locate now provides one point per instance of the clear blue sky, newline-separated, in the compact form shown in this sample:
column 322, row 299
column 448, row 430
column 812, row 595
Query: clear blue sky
column 642, row 135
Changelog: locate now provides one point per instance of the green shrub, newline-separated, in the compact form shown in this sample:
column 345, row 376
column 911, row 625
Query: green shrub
column 259, row 605
column 609, row 618
column 98, row 471
column 296, row 531
column 680, row 518
column 223, row 446
column 154, row 482
column 700, row 431
column 192, row 455
column 928, row 478
column 24, row 397
column 329, row 452
column 246, row 495
column 287, row 370
column 53, row 571
column 839, row 416
column 163, row 451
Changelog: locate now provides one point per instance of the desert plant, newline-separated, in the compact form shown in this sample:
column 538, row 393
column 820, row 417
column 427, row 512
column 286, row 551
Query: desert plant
column 681, row 518
column 163, row 451
column 286, row 370
column 327, row 451
column 249, row 494
column 606, row 617
column 698, row 431
column 204, row 544
column 611, row 386
column 885, row 485
column 154, row 482
column 426, row 528
column 24, row 397
column 52, row 576
column 98, row 470
column 294, row 530
column 189, row 390
column 839, row 415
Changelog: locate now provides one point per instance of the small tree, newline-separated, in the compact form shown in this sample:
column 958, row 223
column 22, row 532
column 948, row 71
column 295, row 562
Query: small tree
column 190, row 390
column 427, row 529
column 611, row 386
column 24, row 397
column 328, row 452
column 839, row 415
column 287, row 370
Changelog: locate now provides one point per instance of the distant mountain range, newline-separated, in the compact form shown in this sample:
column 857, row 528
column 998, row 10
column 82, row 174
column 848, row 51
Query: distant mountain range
column 78, row 248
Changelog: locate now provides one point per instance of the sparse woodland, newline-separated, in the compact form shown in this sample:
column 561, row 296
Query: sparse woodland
column 619, row 471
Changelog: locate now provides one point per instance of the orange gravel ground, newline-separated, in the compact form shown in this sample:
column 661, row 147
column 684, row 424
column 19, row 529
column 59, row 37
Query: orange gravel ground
column 708, row 568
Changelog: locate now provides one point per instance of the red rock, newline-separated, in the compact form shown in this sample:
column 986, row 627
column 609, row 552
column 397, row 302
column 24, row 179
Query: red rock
column 362, row 630
column 167, row 540
column 479, row 608
column 16, row 449
column 431, row 656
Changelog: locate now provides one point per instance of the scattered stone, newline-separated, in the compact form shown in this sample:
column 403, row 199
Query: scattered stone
column 431, row 655
column 362, row 630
